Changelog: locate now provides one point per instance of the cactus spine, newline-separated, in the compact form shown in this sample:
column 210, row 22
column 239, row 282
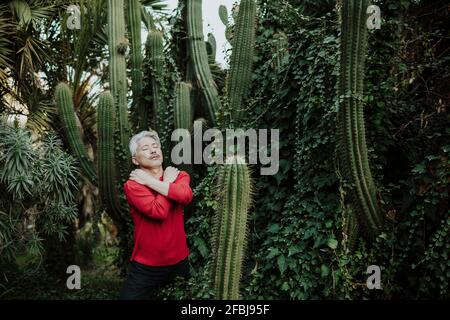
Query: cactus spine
column 199, row 59
column 117, row 48
column 241, row 58
column 351, row 129
column 230, row 228
column 134, row 21
column 64, row 102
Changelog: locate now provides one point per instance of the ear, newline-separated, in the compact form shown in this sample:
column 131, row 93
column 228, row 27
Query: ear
column 133, row 159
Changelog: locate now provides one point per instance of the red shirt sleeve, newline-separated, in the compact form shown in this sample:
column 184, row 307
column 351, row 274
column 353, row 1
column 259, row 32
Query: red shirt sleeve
column 145, row 201
column 179, row 190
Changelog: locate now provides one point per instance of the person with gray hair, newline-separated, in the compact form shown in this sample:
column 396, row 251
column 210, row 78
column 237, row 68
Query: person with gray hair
column 156, row 198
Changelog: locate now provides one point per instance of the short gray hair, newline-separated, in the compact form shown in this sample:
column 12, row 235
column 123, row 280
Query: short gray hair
column 137, row 137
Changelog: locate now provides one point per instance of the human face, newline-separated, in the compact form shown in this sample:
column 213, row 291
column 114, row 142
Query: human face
column 148, row 154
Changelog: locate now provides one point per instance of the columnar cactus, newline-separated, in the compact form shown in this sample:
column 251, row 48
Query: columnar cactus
column 118, row 45
column 242, row 56
column 235, row 189
column 183, row 112
column 351, row 129
column 64, row 103
column 230, row 225
column 199, row 58
column 107, row 181
column 213, row 45
column 134, row 21
column 155, row 49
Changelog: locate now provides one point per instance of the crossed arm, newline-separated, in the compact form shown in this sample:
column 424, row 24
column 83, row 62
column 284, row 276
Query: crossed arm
column 158, row 205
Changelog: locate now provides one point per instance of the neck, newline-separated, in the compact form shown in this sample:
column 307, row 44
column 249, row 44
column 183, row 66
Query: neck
column 156, row 172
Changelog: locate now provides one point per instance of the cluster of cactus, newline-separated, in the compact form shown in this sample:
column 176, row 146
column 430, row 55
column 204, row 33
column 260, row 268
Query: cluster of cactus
column 234, row 183
column 114, row 129
column 113, row 126
column 362, row 195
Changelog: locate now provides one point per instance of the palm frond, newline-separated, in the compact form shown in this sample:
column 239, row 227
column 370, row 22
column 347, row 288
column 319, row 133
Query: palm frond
column 5, row 48
column 42, row 117
column 31, row 11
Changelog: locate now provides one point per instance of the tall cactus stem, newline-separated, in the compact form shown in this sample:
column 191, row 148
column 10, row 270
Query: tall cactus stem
column 235, row 189
column 199, row 59
column 241, row 57
column 64, row 103
column 134, row 21
column 183, row 112
column 117, row 49
column 159, row 89
column 107, row 181
column 351, row 128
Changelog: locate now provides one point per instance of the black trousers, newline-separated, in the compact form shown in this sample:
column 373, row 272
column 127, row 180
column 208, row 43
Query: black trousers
column 143, row 281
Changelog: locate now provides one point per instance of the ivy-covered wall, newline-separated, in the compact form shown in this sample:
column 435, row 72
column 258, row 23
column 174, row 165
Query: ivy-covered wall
column 296, row 239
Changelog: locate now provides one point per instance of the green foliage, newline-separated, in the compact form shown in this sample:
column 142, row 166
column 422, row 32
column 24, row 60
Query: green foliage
column 299, row 252
column 300, row 225
column 39, row 181
column 94, row 287
column 426, row 228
